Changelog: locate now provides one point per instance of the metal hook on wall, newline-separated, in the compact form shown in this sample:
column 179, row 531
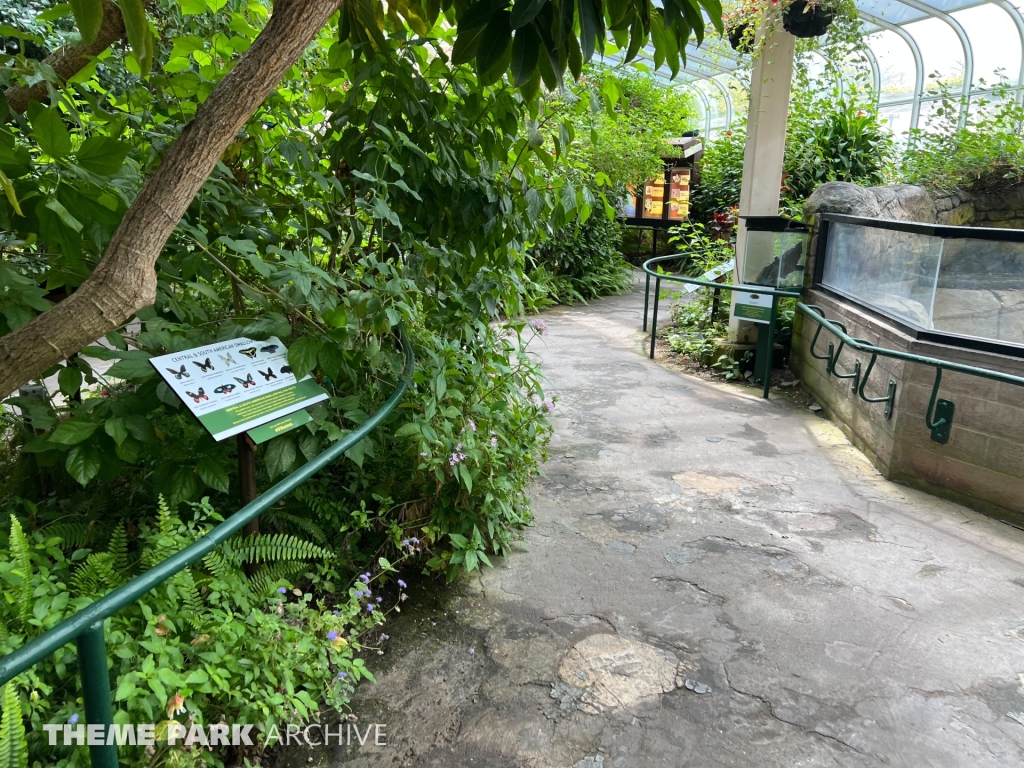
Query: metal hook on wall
column 942, row 424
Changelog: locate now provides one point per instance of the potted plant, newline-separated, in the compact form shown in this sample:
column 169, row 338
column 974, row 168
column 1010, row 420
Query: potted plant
column 801, row 18
column 808, row 18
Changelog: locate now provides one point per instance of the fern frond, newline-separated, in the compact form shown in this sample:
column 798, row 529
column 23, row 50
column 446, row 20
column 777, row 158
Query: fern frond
column 20, row 554
column 304, row 524
column 217, row 564
column 74, row 535
column 119, row 548
column 13, row 745
column 268, row 579
column 96, row 576
column 189, row 593
column 279, row 546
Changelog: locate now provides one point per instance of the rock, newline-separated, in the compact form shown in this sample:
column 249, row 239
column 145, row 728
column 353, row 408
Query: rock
column 904, row 202
column 842, row 197
column 814, row 408
column 619, row 674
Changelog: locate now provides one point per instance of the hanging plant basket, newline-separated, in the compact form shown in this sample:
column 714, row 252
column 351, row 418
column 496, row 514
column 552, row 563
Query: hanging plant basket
column 801, row 21
column 738, row 39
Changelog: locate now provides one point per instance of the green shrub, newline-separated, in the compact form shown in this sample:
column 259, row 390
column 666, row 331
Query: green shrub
column 984, row 152
column 211, row 643
column 581, row 262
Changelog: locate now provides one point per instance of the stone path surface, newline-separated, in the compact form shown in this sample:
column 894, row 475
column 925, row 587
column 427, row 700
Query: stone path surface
column 713, row 580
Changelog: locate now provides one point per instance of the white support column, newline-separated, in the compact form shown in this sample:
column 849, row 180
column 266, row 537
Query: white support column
column 770, row 83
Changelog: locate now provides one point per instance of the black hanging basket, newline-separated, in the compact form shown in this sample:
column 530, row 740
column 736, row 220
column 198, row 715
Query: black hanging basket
column 737, row 38
column 801, row 22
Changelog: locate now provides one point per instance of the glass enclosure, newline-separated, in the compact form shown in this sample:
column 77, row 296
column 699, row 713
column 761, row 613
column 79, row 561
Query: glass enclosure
column 775, row 253
column 962, row 281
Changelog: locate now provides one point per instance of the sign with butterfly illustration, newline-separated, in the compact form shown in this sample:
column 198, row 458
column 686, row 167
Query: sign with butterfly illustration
column 234, row 386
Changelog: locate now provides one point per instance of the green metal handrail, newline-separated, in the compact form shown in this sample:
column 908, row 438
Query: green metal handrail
column 939, row 417
column 86, row 626
column 659, row 276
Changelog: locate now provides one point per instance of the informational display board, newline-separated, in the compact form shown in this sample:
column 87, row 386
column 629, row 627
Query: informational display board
column 654, row 199
column 712, row 274
column 234, row 386
column 679, row 194
column 753, row 307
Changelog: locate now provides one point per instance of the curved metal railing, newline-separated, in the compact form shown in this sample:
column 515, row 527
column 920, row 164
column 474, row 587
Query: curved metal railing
column 86, row 626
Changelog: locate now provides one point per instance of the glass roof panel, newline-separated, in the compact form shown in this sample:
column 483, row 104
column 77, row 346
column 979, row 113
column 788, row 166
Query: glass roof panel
column 996, row 43
column 942, row 52
column 897, row 70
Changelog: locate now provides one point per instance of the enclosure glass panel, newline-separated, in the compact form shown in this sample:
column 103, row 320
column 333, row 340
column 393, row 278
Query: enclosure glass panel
column 893, row 272
column 775, row 259
column 980, row 290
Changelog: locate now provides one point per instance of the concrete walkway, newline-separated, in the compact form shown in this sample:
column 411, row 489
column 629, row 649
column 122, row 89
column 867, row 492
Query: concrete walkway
column 713, row 580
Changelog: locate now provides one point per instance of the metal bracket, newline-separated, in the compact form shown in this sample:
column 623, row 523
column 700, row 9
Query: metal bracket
column 835, row 360
column 890, row 396
column 942, row 423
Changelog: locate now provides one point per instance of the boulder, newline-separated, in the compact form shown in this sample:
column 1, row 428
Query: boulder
column 842, row 197
column 905, row 202
column 902, row 202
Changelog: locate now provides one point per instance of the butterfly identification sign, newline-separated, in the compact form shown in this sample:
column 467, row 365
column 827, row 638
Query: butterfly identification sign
column 234, row 386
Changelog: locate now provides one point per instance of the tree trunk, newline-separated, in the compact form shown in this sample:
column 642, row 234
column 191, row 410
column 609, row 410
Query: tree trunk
column 69, row 60
column 125, row 279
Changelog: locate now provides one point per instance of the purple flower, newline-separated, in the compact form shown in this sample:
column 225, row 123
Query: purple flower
column 458, row 447
column 414, row 540
column 367, row 592
column 494, row 442
column 380, row 599
column 73, row 719
column 385, row 637
column 364, row 577
column 281, row 590
column 405, row 542
column 550, row 405
column 370, row 607
column 342, row 675
column 456, row 457
column 539, row 326
column 359, row 593
column 472, row 651
column 402, row 584
column 471, row 424
column 336, row 612
column 332, row 635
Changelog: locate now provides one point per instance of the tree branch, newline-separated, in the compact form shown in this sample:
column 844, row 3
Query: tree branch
column 125, row 279
column 70, row 60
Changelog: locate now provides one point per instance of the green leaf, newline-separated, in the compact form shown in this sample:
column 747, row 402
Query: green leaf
column 131, row 368
column 213, row 474
column 64, row 214
column 524, row 11
column 73, row 431
column 281, row 455
column 49, row 130
column 525, row 51
column 302, row 355
column 139, row 35
column 116, row 428
column 102, row 155
column 88, row 17
column 83, row 463
column 12, row 197
column 69, row 380
column 412, row 428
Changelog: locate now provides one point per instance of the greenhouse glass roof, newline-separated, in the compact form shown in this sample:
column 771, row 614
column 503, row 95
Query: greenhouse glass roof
column 912, row 47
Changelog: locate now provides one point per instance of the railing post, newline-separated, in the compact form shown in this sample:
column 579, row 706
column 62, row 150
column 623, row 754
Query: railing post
column 647, row 298
column 769, row 353
column 654, row 315
column 92, row 668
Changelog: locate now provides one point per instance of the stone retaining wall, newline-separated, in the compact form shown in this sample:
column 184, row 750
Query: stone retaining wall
column 982, row 465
